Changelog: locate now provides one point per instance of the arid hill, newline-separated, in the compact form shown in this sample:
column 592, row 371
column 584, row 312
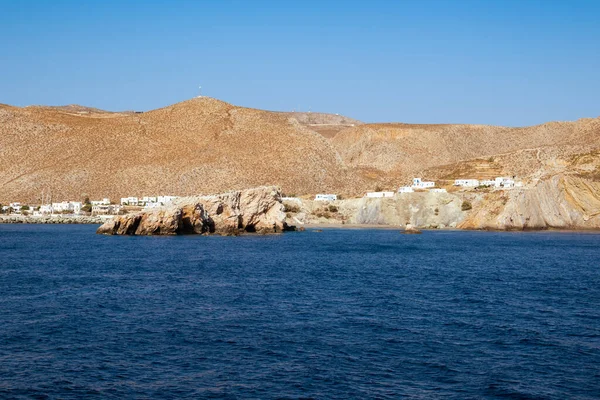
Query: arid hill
column 204, row 145
column 401, row 151
column 327, row 125
column 198, row 146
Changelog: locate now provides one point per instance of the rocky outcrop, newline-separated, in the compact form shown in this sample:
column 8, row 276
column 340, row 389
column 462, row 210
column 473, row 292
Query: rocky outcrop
column 411, row 230
column 253, row 210
column 561, row 202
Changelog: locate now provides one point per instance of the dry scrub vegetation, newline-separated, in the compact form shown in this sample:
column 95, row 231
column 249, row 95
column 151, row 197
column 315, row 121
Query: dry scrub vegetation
column 205, row 146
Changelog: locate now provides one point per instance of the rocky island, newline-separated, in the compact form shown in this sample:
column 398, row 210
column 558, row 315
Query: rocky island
column 257, row 210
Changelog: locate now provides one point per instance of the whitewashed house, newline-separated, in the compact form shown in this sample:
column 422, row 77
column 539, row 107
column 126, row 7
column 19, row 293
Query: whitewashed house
column 380, row 194
column 505, row 182
column 16, row 207
column 405, row 189
column 420, row 184
column 148, row 199
column 466, row 182
column 73, row 207
column 165, row 199
column 129, row 201
column 63, row 206
column 105, row 201
column 46, row 209
column 487, row 182
column 438, row 190
column 325, row 197
column 105, row 209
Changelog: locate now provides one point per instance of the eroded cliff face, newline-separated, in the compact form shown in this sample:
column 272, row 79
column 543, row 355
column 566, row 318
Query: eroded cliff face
column 421, row 209
column 561, row 202
column 252, row 210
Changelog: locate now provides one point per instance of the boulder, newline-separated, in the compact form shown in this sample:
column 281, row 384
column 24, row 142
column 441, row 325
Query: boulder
column 410, row 229
column 257, row 210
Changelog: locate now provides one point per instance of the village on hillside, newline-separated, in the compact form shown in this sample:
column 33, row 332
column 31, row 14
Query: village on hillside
column 418, row 184
column 132, row 203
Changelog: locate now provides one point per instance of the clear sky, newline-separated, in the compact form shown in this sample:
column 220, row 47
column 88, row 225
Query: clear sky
column 502, row 62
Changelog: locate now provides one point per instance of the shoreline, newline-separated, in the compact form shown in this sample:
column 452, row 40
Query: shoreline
column 53, row 219
column 99, row 220
column 400, row 228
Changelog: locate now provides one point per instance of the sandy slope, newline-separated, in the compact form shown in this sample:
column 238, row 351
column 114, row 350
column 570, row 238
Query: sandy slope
column 205, row 145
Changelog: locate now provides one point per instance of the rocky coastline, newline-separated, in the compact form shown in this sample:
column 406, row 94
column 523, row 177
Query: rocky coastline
column 561, row 202
column 257, row 210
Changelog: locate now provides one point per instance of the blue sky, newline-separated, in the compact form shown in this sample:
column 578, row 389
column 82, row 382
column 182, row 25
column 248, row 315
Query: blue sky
column 500, row 62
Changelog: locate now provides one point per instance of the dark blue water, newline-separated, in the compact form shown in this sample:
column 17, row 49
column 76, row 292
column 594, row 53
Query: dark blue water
column 337, row 314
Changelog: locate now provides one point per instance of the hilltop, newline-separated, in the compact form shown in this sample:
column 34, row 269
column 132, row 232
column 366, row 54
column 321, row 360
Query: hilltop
column 205, row 145
column 198, row 146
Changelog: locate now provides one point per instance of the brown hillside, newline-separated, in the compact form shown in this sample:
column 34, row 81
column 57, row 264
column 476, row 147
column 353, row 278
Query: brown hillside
column 198, row 146
column 207, row 146
column 327, row 125
column 406, row 150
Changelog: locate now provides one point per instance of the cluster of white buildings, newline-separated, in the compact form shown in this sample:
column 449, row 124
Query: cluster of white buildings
column 499, row 182
column 12, row 207
column 418, row 183
column 99, row 207
column 66, row 207
column 147, row 201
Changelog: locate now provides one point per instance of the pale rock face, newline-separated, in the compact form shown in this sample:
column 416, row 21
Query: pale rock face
column 561, row 202
column 252, row 210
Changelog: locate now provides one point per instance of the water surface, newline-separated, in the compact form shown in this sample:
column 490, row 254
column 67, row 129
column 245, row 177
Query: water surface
column 335, row 314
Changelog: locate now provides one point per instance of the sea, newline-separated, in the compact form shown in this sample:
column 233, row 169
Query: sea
column 330, row 314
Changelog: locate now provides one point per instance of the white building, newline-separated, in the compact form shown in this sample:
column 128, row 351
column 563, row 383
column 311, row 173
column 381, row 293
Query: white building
column 420, row 184
column 405, row 189
column 504, row 182
column 466, row 182
column 380, row 194
column 165, row 199
column 129, row 201
column 438, row 190
column 487, row 182
column 73, row 207
column 148, row 199
column 325, row 197
column 105, row 209
column 16, row 207
column 105, row 201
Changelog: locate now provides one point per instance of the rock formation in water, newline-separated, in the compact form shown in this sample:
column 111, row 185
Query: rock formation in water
column 253, row 210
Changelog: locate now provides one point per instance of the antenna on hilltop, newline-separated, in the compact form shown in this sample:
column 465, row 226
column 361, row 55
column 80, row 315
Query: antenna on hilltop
column 200, row 91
